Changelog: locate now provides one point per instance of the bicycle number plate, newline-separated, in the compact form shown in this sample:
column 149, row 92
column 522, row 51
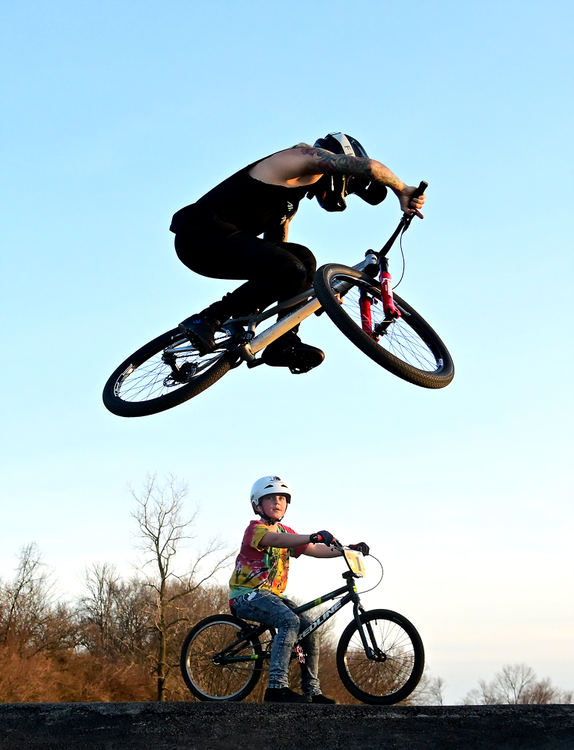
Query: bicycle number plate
column 355, row 561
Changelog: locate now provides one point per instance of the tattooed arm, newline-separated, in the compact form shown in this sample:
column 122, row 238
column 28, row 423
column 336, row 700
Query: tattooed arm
column 324, row 162
column 369, row 170
column 306, row 165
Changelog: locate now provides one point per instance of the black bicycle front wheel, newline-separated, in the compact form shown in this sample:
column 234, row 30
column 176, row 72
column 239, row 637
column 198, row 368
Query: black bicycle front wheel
column 406, row 346
column 164, row 373
column 217, row 662
column 391, row 670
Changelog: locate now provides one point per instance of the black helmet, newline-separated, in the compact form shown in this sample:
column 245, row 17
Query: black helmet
column 331, row 190
column 339, row 143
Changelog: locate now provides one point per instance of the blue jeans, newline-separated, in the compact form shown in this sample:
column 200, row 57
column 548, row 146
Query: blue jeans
column 276, row 611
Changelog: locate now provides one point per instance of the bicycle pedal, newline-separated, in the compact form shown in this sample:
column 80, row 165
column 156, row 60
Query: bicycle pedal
column 300, row 654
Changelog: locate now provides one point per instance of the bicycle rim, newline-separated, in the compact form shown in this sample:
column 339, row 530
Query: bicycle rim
column 164, row 373
column 210, row 672
column 394, row 669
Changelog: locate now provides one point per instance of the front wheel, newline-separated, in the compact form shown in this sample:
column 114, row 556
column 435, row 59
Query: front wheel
column 218, row 662
column 406, row 346
column 392, row 666
column 164, row 373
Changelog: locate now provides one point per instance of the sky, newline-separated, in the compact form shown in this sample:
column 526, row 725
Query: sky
column 116, row 114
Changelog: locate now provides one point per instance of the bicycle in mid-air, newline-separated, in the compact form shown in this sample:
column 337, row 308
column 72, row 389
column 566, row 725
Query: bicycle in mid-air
column 380, row 655
column 359, row 300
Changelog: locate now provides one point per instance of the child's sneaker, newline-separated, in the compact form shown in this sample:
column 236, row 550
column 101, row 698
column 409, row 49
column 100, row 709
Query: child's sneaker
column 320, row 699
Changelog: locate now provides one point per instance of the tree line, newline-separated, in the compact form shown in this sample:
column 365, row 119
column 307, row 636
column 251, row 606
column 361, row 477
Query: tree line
column 119, row 640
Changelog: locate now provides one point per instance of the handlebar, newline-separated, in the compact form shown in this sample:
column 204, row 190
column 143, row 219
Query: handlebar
column 404, row 223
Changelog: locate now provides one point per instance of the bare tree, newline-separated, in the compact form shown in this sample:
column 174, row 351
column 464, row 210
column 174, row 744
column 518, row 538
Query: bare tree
column 159, row 515
column 516, row 684
column 98, row 609
column 114, row 615
column 30, row 620
column 543, row 691
column 25, row 598
column 429, row 692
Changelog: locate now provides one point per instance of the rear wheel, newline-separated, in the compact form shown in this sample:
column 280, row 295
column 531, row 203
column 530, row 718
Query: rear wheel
column 217, row 664
column 406, row 346
column 392, row 670
column 164, row 373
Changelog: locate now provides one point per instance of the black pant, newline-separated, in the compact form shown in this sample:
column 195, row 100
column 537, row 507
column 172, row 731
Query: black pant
column 275, row 270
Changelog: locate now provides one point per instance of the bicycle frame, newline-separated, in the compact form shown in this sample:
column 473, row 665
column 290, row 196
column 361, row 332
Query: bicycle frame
column 371, row 262
column 306, row 303
column 348, row 592
column 289, row 321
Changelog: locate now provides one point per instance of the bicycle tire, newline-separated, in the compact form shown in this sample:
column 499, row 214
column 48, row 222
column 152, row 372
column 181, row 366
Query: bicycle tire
column 144, row 384
column 408, row 348
column 210, row 681
column 399, row 660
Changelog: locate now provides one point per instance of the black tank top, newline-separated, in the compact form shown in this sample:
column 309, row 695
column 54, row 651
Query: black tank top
column 240, row 203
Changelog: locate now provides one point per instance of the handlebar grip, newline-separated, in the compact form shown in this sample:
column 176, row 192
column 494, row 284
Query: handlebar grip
column 421, row 188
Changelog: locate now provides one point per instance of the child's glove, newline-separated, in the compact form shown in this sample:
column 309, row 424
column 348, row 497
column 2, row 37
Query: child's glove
column 322, row 536
column 361, row 547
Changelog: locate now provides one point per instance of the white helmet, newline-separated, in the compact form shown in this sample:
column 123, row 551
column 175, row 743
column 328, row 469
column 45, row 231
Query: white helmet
column 269, row 486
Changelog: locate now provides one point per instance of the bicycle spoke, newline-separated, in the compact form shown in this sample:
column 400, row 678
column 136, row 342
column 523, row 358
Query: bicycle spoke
column 386, row 674
column 405, row 345
column 158, row 375
column 398, row 338
column 389, row 672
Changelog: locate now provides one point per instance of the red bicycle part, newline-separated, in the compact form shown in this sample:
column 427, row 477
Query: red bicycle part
column 365, row 304
column 391, row 310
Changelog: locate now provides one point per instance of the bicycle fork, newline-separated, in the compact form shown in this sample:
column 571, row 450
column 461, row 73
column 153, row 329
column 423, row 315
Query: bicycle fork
column 366, row 302
column 372, row 651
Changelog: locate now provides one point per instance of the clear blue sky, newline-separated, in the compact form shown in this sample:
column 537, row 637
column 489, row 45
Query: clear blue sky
column 115, row 114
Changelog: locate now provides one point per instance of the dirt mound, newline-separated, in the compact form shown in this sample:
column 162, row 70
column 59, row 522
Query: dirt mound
column 210, row 726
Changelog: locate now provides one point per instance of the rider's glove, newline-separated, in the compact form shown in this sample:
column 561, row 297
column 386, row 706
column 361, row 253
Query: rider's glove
column 361, row 547
column 322, row 536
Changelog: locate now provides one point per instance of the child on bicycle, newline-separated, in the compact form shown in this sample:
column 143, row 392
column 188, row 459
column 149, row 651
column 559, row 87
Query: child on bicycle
column 260, row 578
column 219, row 235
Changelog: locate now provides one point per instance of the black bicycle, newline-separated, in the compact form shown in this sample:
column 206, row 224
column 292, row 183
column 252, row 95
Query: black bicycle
column 359, row 300
column 380, row 655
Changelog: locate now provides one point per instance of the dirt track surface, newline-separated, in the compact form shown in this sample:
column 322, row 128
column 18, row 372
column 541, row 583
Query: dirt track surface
column 237, row 726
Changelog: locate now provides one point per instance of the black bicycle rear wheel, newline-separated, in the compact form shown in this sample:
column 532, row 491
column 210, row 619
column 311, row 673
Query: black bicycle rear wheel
column 217, row 663
column 392, row 671
column 407, row 346
column 164, row 373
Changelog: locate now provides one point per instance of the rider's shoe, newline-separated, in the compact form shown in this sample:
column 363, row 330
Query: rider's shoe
column 320, row 699
column 289, row 351
column 283, row 695
column 200, row 330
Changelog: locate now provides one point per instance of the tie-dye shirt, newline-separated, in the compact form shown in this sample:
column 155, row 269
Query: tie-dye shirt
column 259, row 567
